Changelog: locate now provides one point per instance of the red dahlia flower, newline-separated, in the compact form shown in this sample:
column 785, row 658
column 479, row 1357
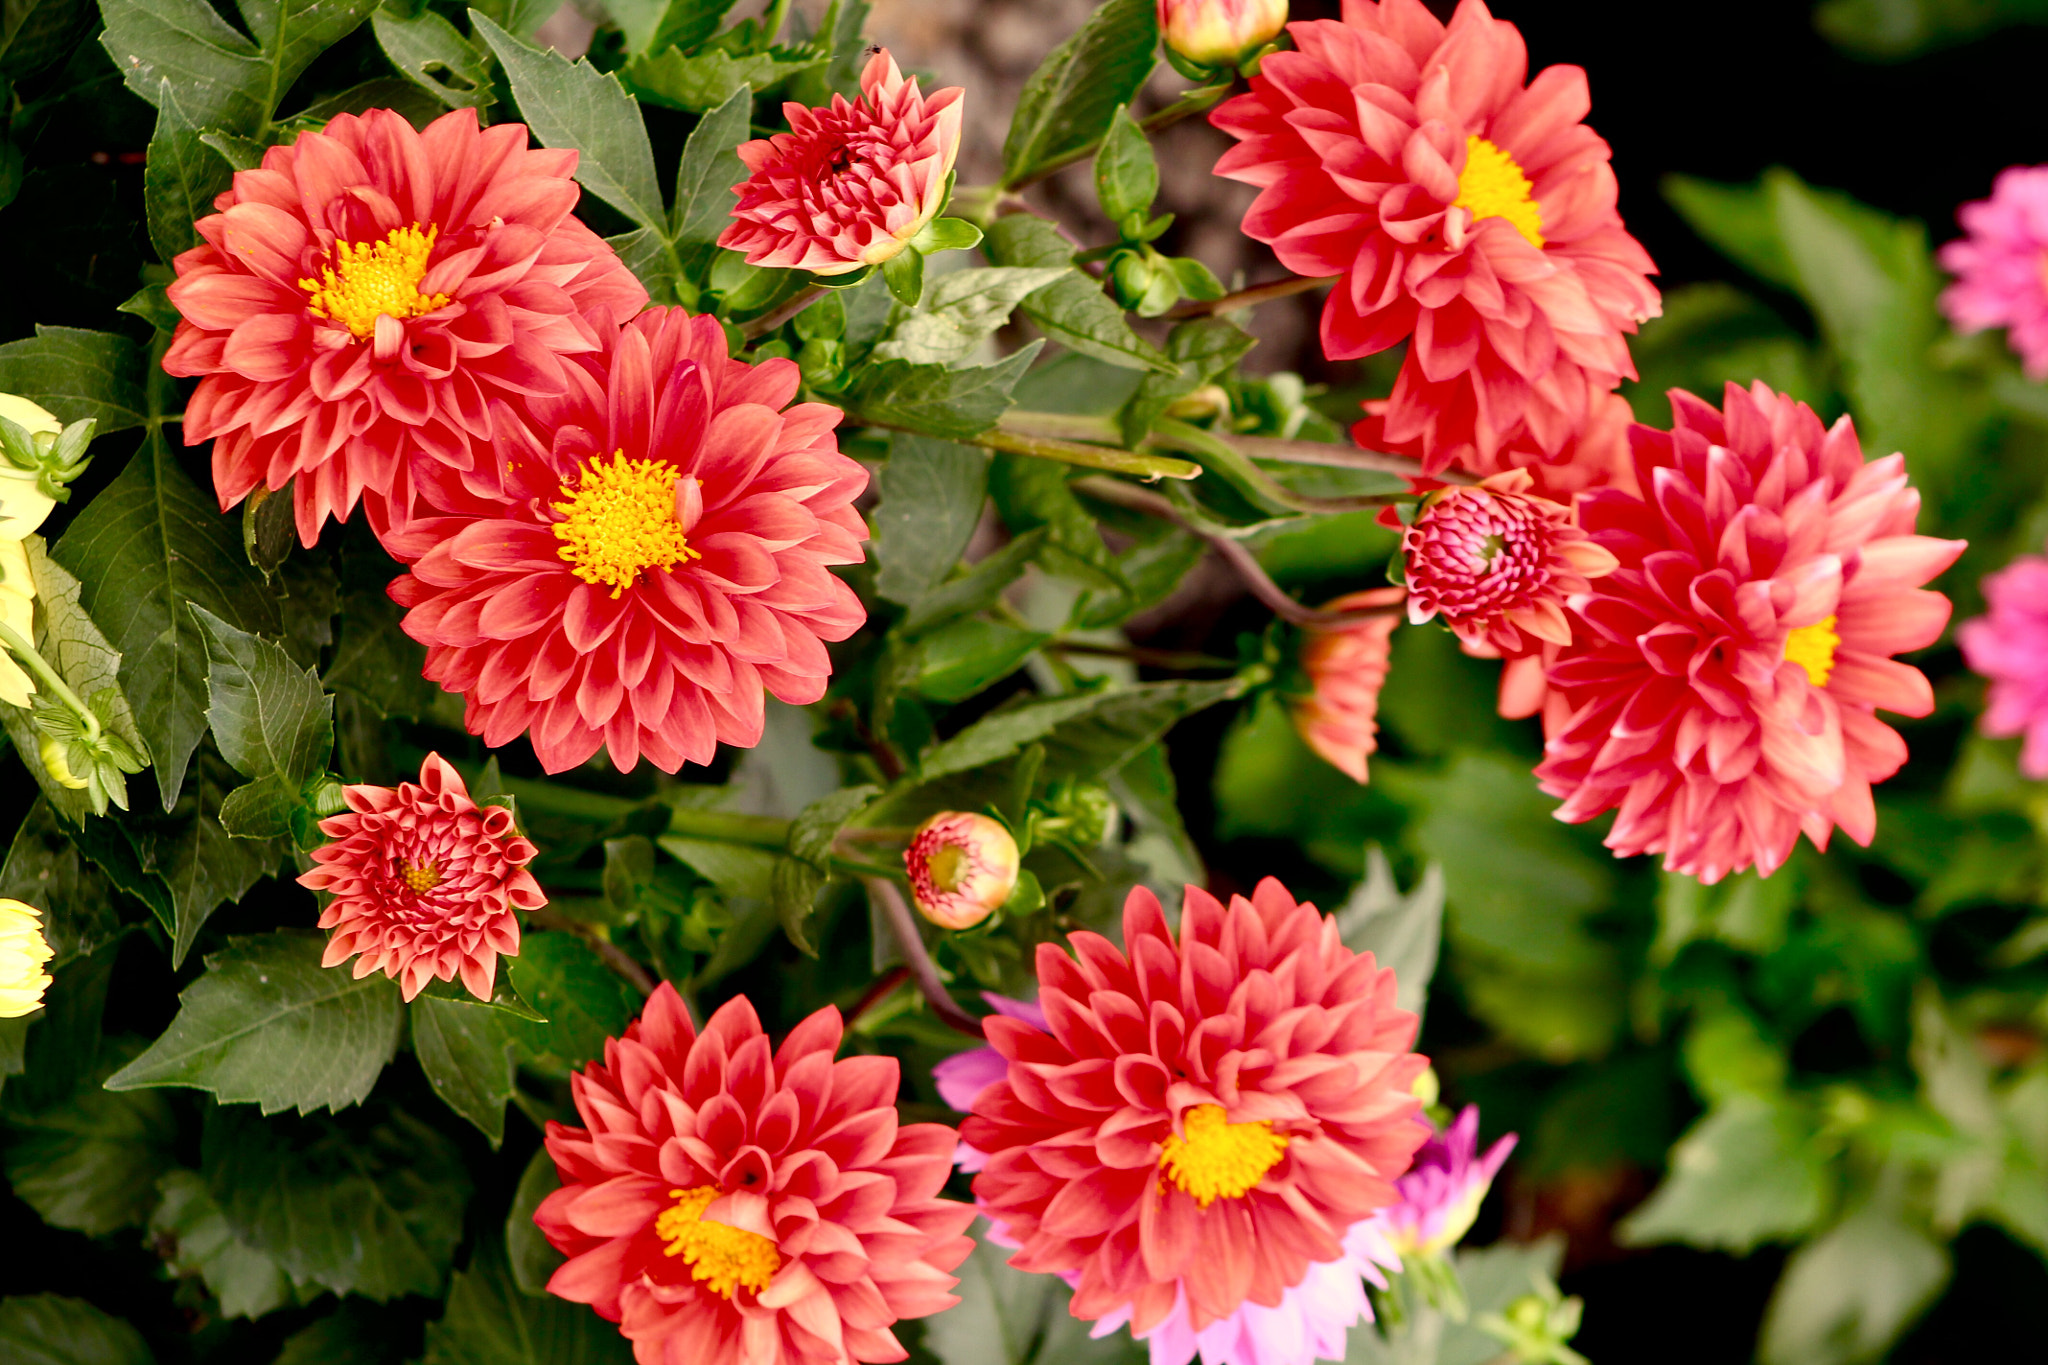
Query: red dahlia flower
column 727, row 1202
column 1721, row 687
column 1345, row 667
column 424, row 882
column 848, row 185
column 657, row 564
column 1464, row 209
column 362, row 297
column 1208, row 1115
column 1595, row 455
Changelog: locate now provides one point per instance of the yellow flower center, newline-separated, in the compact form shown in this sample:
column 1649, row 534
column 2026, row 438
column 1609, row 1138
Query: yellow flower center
column 948, row 866
column 723, row 1257
column 1493, row 186
column 622, row 519
column 1813, row 649
column 421, row 877
column 1217, row 1159
column 369, row 280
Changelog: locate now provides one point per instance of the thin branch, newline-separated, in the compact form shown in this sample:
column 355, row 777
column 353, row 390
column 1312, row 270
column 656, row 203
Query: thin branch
column 613, row 956
column 1088, row 456
column 1176, row 660
column 1077, row 427
column 783, row 312
column 922, row 969
column 1250, row 298
column 877, row 993
column 1233, row 464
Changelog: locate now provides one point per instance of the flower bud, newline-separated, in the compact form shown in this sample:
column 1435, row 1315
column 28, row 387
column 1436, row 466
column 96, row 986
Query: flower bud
column 1220, row 33
column 57, row 763
column 23, row 951
column 962, row 866
column 23, row 502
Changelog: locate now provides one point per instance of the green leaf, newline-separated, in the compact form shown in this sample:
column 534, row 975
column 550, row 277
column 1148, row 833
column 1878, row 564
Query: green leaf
column 946, row 234
column 799, row 877
column 1737, row 221
column 49, row 1329
column 375, row 659
column 904, row 274
column 1085, row 735
column 181, row 179
column 490, row 1322
column 355, row 1333
column 572, row 104
column 656, row 264
column 367, row 1204
column 958, row 660
column 974, row 590
column 1146, row 790
column 1402, row 930
column 402, row 97
column 193, row 1236
column 1202, row 349
column 1031, row 494
column 270, row 717
column 709, row 79
column 1011, row 1317
column 76, row 375
column 932, row 493
column 934, row 400
column 37, row 33
column 197, row 860
column 1072, row 311
column 585, row 1003
column 146, row 550
column 466, row 1051
column 91, row 1163
column 223, row 79
column 151, row 305
column 1743, row 1175
column 432, row 54
column 267, row 1024
column 1126, row 176
column 961, row 310
column 1068, row 102
column 1846, row 1296
column 709, row 169
column 679, row 23
column 44, row 869
column 533, row 1260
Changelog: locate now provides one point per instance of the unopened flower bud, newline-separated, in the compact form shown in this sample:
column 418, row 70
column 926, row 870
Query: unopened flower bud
column 23, row 951
column 58, row 766
column 1220, row 33
column 23, row 502
column 962, row 866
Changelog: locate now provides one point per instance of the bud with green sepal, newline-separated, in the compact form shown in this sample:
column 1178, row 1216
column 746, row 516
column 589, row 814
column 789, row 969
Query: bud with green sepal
column 1209, row 39
column 39, row 456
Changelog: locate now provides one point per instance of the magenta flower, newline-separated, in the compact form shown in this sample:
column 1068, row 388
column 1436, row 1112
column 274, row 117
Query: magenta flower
column 2001, row 265
column 2009, row 646
column 1441, row 1194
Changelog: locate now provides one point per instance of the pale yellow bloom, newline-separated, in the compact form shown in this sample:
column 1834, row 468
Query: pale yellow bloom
column 23, row 503
column 17, row 610
column 23, row 951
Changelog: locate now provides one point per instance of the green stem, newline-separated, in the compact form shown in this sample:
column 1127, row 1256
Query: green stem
column 772, row 21
column 1074, row 427
column 1196, row 101
column 1088, row 456
column 787, row 309
column 39, row 666
column 729, row 827
column 1252, row 297
column 1236, row 466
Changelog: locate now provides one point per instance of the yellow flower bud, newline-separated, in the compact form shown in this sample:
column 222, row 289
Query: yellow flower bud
column 962, row 866
column 23, row 951
column 18, row 613
column 1220, row 32
column 58, row 766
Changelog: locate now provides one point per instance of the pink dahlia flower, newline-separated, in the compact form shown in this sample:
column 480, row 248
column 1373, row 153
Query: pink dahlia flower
column 1208, row 1114
column 424, row 882
column 1721, row 687
column 363, row 298
column 964, row 1075
column 2001, row 265
column 1345, row 667
column 1595, row 455
column 2009, row 646
column 1497, row 564
column 1468, row 212
column 728, row 1202
column 962, row 867
column 848, row 185
column 658, row 564
column 1442, row 1192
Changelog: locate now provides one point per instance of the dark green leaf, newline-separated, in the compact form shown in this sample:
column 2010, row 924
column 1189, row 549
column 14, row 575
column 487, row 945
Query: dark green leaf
column 1010, row 1317
column 91, row 1163
column 655, row 262
column 1126, row 176
column 38, row 33
column 195, row 858
column 262, row 809
column 466, row 1051
column 904, row 274
column 190, row 1232
column 1085, row 735
column 1068, row 102
column 976, row 589
column 223, row 80
column 1745, row 1174
column 1146, row 790
column 1401, row 929
column 269, row 529
column 1738, row 221
column 799, row 877
column 375, row 659
column 150, row 304
column 1033, row 494
column 710, row 168
column 432, row 54
column 1072, row 311
column 270, row 717
column 959, row 311
column 585, row 1003
column 355, row 1333
column 532, row 1259
column 402, row 97
column 76, row 375
column 709, row 79
column 679, row 23
column 489, row 1322
column 181, row 179
column 1203, row 348
column 49, row 1329
column 44, row 869
column 958, row 660
column 932, row 494
column 954, row 404
column 268, row 1024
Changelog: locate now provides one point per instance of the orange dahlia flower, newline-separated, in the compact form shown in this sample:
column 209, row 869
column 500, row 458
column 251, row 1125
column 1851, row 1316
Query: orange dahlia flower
column 360, row 300
column 1467, row 209
column 658, row 563
column 728, row 1202
column 1345, row 667
column 1207, row 1117
column 848, row 185
column 1721, row 687
column 424, row 882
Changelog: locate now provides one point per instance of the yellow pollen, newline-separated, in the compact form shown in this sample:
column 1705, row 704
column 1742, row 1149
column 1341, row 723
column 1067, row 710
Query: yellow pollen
column 622, row 519
column 1813, row 649
column 1493, row 186
column 1218, row 1160
column 724, row 1258
column 369, row 280
column 421, row 877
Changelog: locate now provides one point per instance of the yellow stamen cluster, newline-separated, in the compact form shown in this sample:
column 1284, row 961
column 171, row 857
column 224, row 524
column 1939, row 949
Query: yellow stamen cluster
column 1813, row 649
column 1493, row 186
column 1218, row 1159
column 369, row 280
column 723, row 1258
column 421, row 877
column 621, row 520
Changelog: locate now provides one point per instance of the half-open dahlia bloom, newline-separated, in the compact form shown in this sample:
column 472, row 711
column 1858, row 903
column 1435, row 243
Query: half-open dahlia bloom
column 1497, row 564
column 1345, row 667
column 1442, row 1192
column 2008, row 645
column 848, row 185
column 424, row 882
column 1464, row 209
column 962, row 867
column 730, row 1203
column 1206, row 1117
column 362, row 297
column 660, row 560
column 1721, row 687
column 2001, row 265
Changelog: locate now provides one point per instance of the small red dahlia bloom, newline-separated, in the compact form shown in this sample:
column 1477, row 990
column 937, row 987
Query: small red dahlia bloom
column 658, row 564
column 362, row 298
column 424, row 882
column 1721, row 687
column 848, row 185
column 1208, row 1115
column 1497, row 564
column 729, row 1203
column 1467, row 211
column 1345, row 667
